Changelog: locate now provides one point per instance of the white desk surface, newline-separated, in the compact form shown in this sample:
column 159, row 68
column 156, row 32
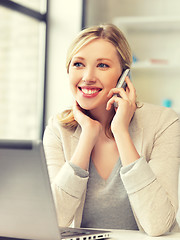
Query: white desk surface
column 136, row 235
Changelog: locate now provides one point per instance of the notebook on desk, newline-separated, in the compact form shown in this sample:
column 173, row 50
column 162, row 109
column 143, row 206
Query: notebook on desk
column 27, row 208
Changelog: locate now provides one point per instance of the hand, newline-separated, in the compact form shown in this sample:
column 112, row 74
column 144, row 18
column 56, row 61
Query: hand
column 88, row 125
column 126, row 106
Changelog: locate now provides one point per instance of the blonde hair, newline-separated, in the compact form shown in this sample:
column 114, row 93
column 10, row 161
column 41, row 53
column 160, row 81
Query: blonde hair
column 110, row 33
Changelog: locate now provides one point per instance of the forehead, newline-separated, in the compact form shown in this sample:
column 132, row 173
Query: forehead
column 98, row 48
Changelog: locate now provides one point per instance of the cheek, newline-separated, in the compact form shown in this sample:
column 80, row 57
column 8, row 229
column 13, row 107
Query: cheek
column 74, row 77
column 73, row 82
column 113, row 82
column 116, row 78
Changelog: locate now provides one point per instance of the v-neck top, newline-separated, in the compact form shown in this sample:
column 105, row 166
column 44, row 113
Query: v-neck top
column 107, row 204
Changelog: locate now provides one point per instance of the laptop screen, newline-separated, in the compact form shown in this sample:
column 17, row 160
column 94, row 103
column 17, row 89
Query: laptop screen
column 26, row 203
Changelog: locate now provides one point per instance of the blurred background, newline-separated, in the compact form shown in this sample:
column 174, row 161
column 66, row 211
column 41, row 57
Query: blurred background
column 35, row 36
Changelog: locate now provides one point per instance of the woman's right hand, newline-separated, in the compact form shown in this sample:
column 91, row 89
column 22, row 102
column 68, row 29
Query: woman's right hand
column 88, row 125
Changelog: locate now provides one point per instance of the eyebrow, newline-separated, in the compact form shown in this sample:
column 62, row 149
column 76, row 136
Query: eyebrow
column 80, row 58
column 99, row 59
column 104, row 59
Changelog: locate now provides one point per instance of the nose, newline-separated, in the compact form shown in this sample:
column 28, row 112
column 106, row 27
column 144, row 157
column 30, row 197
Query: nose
column 89, row 76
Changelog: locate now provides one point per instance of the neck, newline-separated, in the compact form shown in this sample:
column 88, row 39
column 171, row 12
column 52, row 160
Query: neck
column 102, row 115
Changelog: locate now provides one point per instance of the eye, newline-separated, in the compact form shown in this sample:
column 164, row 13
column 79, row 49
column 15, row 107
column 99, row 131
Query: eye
column 103, row 65
column 78, row 64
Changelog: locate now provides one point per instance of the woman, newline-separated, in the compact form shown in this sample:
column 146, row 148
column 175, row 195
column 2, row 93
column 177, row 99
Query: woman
column 112, row 167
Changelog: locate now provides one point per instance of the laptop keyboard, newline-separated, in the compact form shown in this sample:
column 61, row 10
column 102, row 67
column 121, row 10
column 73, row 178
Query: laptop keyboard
column 65, row 232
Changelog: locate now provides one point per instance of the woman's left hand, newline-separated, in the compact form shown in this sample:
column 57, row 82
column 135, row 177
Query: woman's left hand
column 126, row 106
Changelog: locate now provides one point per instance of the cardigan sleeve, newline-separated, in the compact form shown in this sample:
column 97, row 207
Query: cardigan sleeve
column 67, row 187
column 131, row 172
column 152, row 184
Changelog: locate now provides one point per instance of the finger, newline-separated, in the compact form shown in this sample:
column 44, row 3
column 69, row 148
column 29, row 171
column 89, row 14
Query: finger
column 75, row 105
column 130, row 89
column 111, row 92
column 127, row 90
column 116, row 99
column 116, row 91
column 76, row 109
column 111, row 102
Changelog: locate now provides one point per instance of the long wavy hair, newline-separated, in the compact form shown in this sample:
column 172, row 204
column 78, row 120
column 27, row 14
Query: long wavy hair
column 110, row 33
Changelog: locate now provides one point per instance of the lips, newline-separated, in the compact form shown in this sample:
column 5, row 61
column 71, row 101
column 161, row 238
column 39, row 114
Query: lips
column 89, row 91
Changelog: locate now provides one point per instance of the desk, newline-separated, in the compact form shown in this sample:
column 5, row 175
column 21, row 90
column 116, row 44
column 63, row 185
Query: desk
column 136, row 235
column 129, row 235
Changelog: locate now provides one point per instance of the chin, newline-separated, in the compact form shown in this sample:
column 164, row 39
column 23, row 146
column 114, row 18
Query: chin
column 90, row 106
column 85, row 107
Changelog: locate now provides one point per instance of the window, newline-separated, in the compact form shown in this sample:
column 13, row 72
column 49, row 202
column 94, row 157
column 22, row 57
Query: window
column 22, row 68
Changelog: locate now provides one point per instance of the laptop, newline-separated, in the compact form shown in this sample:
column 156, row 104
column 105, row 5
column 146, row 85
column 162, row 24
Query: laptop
column 27, row 209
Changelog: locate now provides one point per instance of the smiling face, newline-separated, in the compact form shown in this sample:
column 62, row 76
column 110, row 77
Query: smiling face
column 93, row 71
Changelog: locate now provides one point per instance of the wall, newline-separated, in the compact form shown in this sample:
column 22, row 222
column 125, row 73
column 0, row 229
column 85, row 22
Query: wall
column 153, row 31
column 103, row 11
column 64, row 24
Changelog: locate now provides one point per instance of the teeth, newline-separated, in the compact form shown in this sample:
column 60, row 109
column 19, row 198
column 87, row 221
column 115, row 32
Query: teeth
column 89, row 91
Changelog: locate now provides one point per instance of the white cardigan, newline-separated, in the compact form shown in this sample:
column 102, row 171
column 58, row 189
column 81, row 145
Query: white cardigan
column 151, row 184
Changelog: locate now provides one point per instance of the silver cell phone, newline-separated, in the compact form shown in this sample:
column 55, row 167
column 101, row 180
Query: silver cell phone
column 121, row 82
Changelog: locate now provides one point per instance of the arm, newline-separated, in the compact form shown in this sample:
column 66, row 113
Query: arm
column 120, row 123
column 69, row 188
column 89, row 134
column 153, row 187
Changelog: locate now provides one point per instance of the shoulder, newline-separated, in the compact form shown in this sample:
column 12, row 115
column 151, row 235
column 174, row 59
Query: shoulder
column 54, row 127
column 59, row 142
column 150, row 114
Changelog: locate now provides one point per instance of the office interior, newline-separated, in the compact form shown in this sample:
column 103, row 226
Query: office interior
column 36, row 34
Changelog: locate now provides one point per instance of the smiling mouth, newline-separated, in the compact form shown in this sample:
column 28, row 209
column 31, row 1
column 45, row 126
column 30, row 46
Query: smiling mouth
column 89, row 91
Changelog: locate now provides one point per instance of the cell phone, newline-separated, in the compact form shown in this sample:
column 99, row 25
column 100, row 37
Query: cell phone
column 121, row 81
